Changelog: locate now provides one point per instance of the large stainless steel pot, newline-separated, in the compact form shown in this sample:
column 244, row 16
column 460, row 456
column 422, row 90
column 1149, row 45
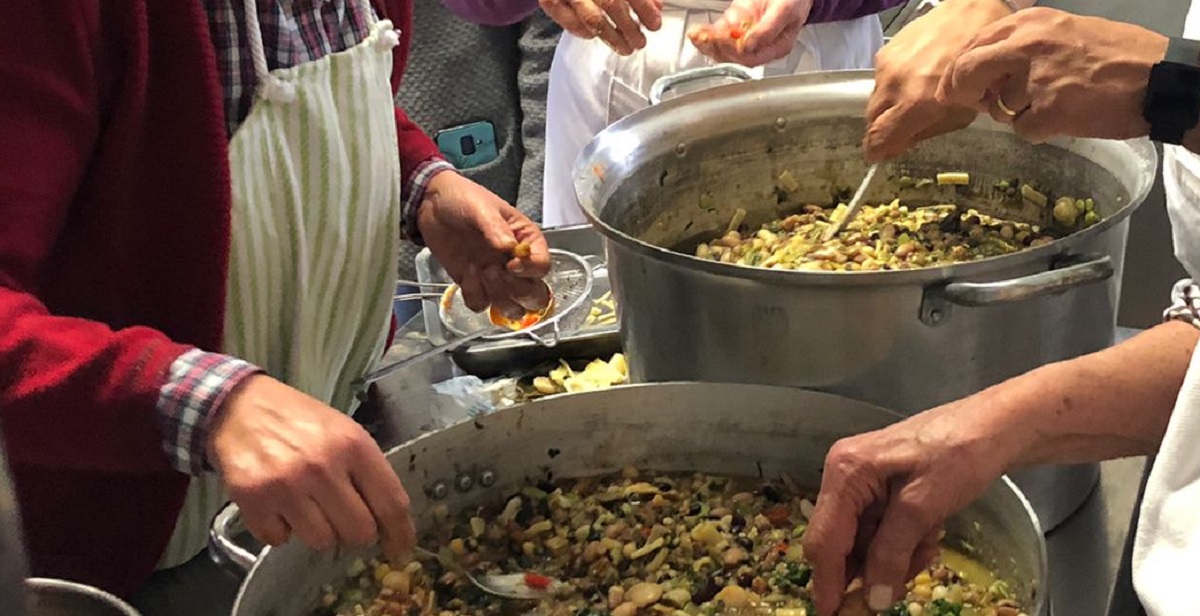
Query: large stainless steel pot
column 747, row 430
column 907, row 340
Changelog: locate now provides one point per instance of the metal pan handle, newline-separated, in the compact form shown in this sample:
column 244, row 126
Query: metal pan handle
column 1095, row 270
column 222, row 548
column 1070, row 274
column 664, row 84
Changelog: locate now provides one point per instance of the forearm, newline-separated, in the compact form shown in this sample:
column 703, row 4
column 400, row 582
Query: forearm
column 1110, row 404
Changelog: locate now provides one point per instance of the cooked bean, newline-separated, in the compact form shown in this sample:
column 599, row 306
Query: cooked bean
column 625, row 609
column 644, row 594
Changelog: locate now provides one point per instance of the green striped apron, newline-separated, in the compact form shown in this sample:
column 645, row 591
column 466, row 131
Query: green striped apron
column 315, row 230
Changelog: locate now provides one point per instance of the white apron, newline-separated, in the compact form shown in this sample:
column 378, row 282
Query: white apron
column 1166, row 551
column 315, row 229
column 592, row 86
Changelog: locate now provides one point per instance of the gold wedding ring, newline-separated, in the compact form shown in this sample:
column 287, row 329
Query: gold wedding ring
column 1005, row 109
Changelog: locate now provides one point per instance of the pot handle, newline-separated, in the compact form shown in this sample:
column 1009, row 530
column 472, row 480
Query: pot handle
column 718, row 71
column 222, row 548
column 1094, row 270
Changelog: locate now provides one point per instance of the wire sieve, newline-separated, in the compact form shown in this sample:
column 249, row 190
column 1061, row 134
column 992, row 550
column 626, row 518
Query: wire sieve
column 570, row 281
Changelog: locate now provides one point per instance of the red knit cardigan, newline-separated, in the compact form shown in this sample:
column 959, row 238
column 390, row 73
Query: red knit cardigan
column 114, row 244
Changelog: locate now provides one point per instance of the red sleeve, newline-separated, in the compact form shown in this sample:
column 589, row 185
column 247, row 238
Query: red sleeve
column 62, row 378
column 415, row 145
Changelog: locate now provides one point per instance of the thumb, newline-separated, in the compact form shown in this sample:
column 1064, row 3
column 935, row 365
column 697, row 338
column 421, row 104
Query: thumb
column 777, row 18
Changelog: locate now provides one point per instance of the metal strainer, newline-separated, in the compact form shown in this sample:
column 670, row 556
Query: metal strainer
column 570, row 282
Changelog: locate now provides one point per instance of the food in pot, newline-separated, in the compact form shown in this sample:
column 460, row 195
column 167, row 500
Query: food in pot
column 642, row 545
column 598, row 374
column 893, row 236
column 603, row 311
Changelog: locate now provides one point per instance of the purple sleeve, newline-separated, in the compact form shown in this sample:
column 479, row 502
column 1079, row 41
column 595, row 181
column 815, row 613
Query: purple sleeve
column 824, row 11
column 493, row 12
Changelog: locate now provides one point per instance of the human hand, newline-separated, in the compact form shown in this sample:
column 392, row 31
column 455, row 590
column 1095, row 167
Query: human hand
column 1048, row 72
column 296, row 466
column 885, row 494
column 752, row 32
column 472, row 232
column 610, row 20
column 904, row 107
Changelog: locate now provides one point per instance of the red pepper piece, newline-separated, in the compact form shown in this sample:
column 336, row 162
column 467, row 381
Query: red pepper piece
column 779, row 515
column 537, row 582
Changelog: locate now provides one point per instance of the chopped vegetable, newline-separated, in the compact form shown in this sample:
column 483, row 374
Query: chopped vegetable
column 638, row 544
column 957, row 179
column 537, row 582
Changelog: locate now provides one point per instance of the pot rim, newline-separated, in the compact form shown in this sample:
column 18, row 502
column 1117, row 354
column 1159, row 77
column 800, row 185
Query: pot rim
column 1040, row 581
column 55, row 585
column 591, row 190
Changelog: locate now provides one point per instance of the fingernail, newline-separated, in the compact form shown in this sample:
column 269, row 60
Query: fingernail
column 880, row 598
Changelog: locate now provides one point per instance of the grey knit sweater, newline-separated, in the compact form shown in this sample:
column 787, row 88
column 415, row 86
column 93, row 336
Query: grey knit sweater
column 459, row 72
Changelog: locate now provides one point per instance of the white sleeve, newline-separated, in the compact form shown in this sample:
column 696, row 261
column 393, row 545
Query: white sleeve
column 1185, row 303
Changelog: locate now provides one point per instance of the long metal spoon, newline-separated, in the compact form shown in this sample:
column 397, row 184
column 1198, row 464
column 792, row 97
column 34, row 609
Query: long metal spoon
column 852, row 209
column 507, row 585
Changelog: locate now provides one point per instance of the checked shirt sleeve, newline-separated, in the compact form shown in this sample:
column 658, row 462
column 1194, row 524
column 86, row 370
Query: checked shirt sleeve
column 414, row 193
column 1185, row 303
column 197, row 385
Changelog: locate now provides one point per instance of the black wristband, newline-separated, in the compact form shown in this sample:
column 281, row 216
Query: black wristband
column 1172, row 105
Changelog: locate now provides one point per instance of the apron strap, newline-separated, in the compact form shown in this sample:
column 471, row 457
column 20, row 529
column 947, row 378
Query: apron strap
column 271, row 87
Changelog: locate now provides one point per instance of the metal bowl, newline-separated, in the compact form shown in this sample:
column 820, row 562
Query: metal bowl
column 740, row 430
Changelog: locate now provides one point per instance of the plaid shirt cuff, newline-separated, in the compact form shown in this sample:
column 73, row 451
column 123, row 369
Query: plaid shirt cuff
column 197, row 385
column 414, row 194
column 1185, row 303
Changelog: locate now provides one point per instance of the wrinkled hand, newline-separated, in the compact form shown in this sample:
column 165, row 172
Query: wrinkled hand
column 752, row 32
column 884, row 496
column 296, row 466
column 904, row 107
column 610, row 20
column 1061, row 74
column 472, row 232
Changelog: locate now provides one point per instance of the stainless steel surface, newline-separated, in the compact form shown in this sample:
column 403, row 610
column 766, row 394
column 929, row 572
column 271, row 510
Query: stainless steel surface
column 14, row 567
column 49, row 597
column 656, row 180
column 490, row 359
column 583, row 434
column 696, row 79
column 855, row 204
column 1085, row 551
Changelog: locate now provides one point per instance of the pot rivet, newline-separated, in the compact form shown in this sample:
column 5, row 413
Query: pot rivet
column 936, row 316
column 464, row 483
column 781, row 123
column 681, row 149
column 487, row 479
column 439, row 491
